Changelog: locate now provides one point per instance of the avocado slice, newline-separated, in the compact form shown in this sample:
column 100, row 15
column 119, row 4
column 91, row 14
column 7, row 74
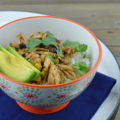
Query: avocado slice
column 12, row 67
column 15, row 53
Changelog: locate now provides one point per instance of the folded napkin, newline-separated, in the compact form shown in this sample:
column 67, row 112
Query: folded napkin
column 81, row 108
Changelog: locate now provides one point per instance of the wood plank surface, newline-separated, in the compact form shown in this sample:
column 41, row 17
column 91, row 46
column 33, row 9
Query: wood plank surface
column 101, row 16
column 118, row 115
column 105, row 22
column 55, row 1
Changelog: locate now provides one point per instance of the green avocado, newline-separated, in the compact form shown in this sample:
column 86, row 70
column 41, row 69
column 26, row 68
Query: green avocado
column 14, row 52
column 14, row 68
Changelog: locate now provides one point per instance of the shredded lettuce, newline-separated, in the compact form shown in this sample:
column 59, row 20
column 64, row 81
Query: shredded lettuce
column 75, row 45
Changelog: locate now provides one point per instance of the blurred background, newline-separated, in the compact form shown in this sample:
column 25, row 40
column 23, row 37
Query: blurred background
column 101, row 16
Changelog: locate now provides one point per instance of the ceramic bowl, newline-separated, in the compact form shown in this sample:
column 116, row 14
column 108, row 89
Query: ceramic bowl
column 44, row 99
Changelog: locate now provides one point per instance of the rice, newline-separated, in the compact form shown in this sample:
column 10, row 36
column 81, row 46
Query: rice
column 81, row 57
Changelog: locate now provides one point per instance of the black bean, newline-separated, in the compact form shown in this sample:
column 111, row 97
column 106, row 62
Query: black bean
column 53, row 49
column 22, row 45
column 41, row 45
column 23, row 55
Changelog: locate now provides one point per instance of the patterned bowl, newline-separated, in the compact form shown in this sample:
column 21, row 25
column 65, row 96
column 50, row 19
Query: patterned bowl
column 44, row 99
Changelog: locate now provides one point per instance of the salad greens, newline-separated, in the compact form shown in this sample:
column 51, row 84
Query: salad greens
column 75, row 45
column 81, row 68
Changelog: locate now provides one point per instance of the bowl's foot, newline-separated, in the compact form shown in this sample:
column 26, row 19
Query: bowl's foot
column 42, row 110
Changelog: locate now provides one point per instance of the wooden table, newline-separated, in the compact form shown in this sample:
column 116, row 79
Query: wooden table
column 101, row 17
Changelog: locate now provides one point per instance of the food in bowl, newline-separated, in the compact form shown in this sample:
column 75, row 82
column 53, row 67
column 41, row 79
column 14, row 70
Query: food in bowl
column 42, row 59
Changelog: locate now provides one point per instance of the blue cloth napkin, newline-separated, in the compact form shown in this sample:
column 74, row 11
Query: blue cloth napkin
column 81, row 108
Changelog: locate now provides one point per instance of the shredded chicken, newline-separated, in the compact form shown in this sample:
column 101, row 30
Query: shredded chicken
column 21, row 38
column 41, row 49
column 68, row 75
column 42, row 58
column 66, row 60
column 38, row 35
column 66, row 67
column 43, row 35
column 15, row 45
column 47, row 53
column 21, row 51
column 68, row 71
column 47, row 62
column 62, row 75
column 35, row 35
column 54, row 76
column 68, row 50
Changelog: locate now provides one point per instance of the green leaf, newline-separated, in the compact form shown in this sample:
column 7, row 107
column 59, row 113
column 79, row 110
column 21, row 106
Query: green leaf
column 66, row 80
column 39, row 32
column 81, row 48
column 52, row 41
column 75, row 45
column 81, row 68
column 70, row 44
column 32, row 43
column 49, row 40
column 60, row 52
column 56, row 61
column 49, row 34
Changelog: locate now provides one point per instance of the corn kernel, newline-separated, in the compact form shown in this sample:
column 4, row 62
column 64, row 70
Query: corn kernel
column 43, row 73
column 38, row 79
column 38, row 66
column 45, row 69
column 26, row 54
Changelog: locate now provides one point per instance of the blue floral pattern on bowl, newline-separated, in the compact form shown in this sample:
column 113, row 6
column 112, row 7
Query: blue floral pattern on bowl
column 44, row 97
